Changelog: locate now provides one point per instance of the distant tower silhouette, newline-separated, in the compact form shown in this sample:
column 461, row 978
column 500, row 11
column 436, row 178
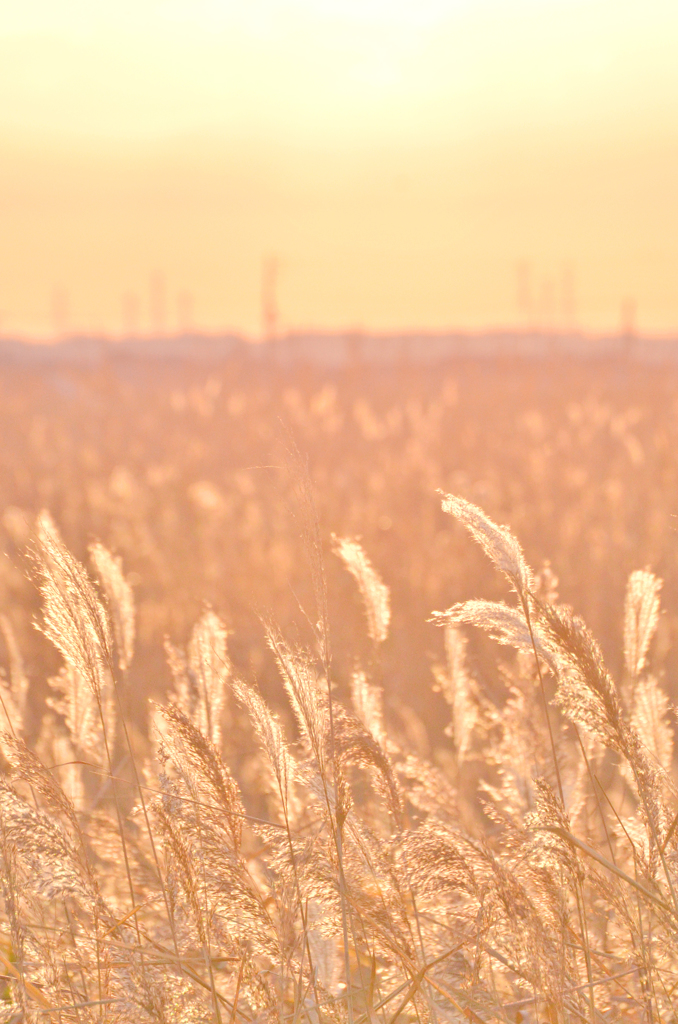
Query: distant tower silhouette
column 628, row 323
column 185, row 307
column 546, row 305
column 269, row 299
column 157, row 304
column 130, row 315
column 524, row 294
column 60, row 311
column 567, row 299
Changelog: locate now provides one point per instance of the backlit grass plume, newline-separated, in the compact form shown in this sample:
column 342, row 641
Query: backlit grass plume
column 373, row 590
column 285, row 857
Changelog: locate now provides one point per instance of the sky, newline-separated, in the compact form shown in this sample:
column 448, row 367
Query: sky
column 374, row 165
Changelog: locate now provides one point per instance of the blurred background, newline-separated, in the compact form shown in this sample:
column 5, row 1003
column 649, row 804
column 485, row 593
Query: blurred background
column 374, row 164
column 453, row 224
column 181, row 466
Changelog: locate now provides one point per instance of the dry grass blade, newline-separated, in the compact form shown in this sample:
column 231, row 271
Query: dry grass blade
column 74, row 618
column 31, row 989
column 368, row 703
column 497, row 542
column 210, row 667
column 202, row 768
column 650, row 717
column 31, row 769
column 590, row 852
column 354, row 745
column 503, row 623
column 120, row 600
column 457, row 687
column 586, row 691
column 373, row 590
column 309, row 702
column 270, row 734
column 342, row 873
column 15, row 694
column 520, row 1004
column 641, row 615
column 412, row 986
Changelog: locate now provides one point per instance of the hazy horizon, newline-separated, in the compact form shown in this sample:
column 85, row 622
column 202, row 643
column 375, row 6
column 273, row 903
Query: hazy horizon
column 432, row 166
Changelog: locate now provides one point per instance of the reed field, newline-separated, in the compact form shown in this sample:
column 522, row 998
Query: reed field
column 338, row 696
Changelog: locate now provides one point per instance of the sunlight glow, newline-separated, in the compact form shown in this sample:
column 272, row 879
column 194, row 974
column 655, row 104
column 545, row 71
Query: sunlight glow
column 322, row 66
column 401, row 156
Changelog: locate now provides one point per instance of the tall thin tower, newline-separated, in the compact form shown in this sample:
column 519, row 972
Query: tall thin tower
column 568, row 308
column 60, row 312
column 524, row 295
column 157, row 304
column 628, row 327
column 269, row 297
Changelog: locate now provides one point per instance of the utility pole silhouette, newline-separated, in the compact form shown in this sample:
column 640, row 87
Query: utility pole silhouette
column 628, row 324
column 60, row 311
column 524, row 294
column 130, row 315
column 185, row 307
column 546, row 305
column 157, row 304
column 269, row 298
column 567, row 299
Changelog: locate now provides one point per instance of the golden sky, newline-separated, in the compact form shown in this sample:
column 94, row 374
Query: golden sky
column 408, row 163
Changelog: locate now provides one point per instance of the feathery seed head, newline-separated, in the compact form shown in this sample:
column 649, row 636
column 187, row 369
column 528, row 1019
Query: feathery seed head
column 373, row 590
column 497, row 542
column 120, row 600
column 74, row 618
column 641, row 615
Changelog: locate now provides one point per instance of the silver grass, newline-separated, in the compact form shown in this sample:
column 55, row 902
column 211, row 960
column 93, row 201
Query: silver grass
column 497, row 542
column 500, row 621
column 120, row 600
column 74, row 618
column 427, row 788
column 586, row 691
column 199, row 763
column 374, row 592
column 548, row 848
column 81, row 709
column 271, row 737
column 325, row 952
column 355, row 746
column 47, row 856
column 209, row 662
column 588, row 696
column 30, row 768
column 14, row 690
column 519, row 750
column 650, row 716
column 368, row 703
column 231, row 898
column 192, row 691
column 184, row 870
column 441, row 860
column 15, row 995
column 465, row 907
column 456, row 687
column 307, row 695
column 641, row 615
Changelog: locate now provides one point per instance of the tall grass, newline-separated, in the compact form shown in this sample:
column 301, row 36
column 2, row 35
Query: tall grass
column 233, row 866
